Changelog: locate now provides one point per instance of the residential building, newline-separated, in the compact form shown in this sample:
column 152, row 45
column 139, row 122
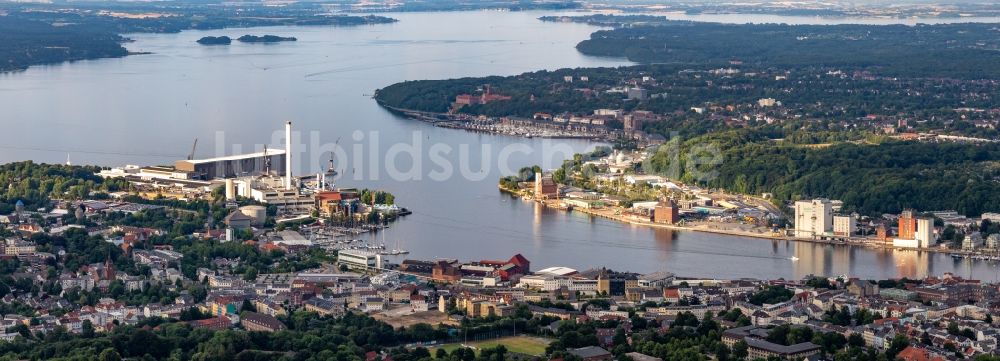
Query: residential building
column 912, row 353
column 637, row 94
column 844, row 226
column 324, row 307
column 591, row 353
column 760, row 349
column 214, row 323
column 484, row 308
column 972, row 241
column 993, row 241
column 253, row 321
column 635, row 356
column 655, row 280
column 767, row 102
column 862, row 288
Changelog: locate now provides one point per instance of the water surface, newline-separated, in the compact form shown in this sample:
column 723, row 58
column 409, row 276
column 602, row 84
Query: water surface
column 148, row 109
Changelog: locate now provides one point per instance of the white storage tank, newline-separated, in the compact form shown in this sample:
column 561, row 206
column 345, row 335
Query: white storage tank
column 258, row 213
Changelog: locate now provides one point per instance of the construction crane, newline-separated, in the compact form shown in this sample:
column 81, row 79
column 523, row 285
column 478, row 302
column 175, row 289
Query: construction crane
column 329, row 167
column 193, row 147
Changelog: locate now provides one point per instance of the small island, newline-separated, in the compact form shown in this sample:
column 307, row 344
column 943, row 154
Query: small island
column 225, row 40
column 215, row 40
column 264, row 39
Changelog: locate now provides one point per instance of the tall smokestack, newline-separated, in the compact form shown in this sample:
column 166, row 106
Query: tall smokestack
column 230, row 189
column 288, row 156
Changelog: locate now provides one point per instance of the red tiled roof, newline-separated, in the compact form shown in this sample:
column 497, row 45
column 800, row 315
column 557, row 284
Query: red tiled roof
column 329, row 196
column 917, row 354
column 519, row 260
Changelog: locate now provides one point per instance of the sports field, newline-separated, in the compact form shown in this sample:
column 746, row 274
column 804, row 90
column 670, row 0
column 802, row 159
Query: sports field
column 534, row 346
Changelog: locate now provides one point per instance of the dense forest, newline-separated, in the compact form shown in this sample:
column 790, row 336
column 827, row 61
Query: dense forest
column 967, row 51
column 870, row 178
column 24, row 43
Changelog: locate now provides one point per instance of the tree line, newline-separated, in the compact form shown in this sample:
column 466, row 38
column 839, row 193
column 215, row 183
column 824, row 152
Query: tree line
column 964, row 51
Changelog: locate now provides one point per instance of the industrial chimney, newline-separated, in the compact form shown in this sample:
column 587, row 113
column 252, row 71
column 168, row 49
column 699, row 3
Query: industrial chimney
column 288, row 156
column 230, row 189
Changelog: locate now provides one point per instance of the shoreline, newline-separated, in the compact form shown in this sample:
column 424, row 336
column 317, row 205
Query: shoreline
column 454, row 122
column 554, row 204
column 869, row 243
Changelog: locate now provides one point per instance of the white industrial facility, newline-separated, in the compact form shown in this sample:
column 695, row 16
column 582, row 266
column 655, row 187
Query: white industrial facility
column 813, row 218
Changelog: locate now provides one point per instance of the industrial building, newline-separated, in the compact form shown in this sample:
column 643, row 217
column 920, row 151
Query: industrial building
column 360, row 259
column 907, row 225
column 545, row 187
column 271, row 190
column 239, row 165
column 258, row 177
column 914, row 232
column 813, row 218
column 666, row 212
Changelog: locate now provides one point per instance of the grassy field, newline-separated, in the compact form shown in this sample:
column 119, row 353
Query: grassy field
column 534, row 346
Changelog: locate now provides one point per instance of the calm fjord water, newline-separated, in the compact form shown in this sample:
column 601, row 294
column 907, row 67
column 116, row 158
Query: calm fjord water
column 148, row 109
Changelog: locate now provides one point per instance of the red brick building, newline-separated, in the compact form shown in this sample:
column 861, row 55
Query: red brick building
column 445, row 271
column 214, row 323
column 907, row 225
column 666, row 212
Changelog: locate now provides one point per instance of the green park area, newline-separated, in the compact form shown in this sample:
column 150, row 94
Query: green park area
column 528, row 345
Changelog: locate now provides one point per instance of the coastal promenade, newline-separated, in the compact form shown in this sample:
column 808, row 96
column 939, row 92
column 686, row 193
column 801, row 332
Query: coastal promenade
column 521, row 128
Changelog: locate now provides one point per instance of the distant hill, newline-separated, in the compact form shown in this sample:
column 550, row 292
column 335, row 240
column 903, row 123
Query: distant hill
column 24, row 43
column 40, row 33
column 966, row 51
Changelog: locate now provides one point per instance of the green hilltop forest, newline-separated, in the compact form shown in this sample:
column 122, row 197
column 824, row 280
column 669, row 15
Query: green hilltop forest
column 871, row 178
